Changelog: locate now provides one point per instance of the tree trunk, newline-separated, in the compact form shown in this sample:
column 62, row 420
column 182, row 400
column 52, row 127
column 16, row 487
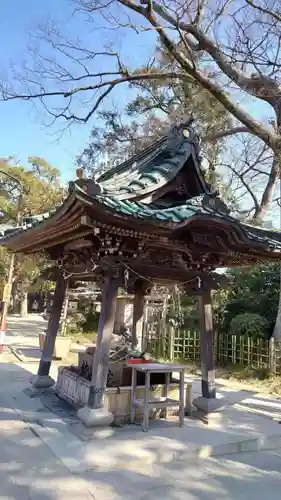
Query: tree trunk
column 267, row 197
column 14, row 305
column 23, row 305
column 277, row 327
column 63, row 328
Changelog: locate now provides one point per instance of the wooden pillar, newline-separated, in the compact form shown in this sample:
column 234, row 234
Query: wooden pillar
column 105, row 330
column 94, row 413
column 206, row 342
column 138, row 318
column 43, row 379
column 65, row 310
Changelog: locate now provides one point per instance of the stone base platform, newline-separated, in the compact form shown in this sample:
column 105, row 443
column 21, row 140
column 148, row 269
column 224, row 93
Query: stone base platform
column 81, row 448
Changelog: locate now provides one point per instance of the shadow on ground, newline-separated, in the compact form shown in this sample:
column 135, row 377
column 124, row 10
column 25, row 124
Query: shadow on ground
column 263, row 405
column 26, row 354
column 29, row 470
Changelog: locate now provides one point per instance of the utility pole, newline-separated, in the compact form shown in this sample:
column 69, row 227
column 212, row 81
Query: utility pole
column 9, row 282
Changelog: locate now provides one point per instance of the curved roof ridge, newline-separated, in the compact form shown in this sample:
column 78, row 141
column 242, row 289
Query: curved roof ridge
column 171, row 134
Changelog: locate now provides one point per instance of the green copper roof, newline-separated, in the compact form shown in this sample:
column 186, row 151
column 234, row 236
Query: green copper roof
column 174, row 214
column 141, row 211
column 155, row 166
column 262, row 235
column 202, row 205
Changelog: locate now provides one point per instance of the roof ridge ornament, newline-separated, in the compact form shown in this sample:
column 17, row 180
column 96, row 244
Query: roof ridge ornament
column 179, row 127
column 80, row 173
column 89, row 186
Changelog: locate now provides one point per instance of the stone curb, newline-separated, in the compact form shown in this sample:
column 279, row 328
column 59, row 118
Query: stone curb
column 41, row 425
column 18, row 354
column 243, row 446
column 259, row 443
column 205, row 452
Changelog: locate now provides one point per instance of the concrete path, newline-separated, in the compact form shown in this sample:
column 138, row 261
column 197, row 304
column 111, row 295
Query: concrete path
column 29, row 326
column 214, row 479
column 82, row 449
column 44, row 456
column 22, row 337
column 29, row 470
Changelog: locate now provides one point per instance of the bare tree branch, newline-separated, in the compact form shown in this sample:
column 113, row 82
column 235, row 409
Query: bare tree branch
column 110, row 84
column 247, row 186
column 252, row 84
column 225, row 133
column 269, row 12
column 246, row 83
column 196, row 51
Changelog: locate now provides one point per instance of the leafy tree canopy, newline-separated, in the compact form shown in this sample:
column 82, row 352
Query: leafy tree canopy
column 40, row 185
column 255, row 291
column 27, row 191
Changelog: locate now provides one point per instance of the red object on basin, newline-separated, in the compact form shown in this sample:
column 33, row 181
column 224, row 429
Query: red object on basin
column 139, row 361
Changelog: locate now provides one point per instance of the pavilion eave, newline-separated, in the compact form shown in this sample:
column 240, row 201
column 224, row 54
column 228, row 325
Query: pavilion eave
column 187, row 238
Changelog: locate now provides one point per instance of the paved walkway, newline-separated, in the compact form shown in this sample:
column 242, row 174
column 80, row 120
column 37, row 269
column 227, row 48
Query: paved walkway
column 46, row 456
column 22, row 337
column 30, row 470
column 231, row 430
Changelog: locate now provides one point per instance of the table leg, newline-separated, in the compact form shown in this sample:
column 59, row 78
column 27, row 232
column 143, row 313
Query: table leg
column 188, row 400
column 146, row 401
column 133, row 396
column 181, row 406
column 166, row 391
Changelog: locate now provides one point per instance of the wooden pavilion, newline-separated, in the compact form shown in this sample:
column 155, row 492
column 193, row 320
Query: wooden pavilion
column 151, row 220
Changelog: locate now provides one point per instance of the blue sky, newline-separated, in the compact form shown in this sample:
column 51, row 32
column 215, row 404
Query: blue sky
column 22, row 129
column 22, row 132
